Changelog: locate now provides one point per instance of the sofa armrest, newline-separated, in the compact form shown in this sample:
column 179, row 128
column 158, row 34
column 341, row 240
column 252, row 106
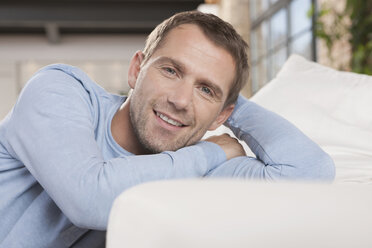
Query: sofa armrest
column 234, row 213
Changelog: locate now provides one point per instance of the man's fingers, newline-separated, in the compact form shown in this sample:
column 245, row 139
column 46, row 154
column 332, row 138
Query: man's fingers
column 230, row 145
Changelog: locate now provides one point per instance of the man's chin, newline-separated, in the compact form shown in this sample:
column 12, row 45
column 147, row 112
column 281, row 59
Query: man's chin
column 153, row 149
column 158, row 147
column 166, row 142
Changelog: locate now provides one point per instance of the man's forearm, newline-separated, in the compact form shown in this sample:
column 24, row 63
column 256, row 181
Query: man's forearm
column 282, row 150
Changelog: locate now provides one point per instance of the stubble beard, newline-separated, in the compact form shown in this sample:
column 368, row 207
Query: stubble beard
column 149, row 142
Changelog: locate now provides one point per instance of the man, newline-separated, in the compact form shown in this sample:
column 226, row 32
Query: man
column 68, row 148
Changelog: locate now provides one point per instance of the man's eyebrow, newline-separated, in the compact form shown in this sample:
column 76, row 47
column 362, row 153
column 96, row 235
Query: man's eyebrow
column 177, row 64
column 182, row 69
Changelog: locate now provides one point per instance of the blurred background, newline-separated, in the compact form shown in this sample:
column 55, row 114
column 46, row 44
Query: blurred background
column 100, row 36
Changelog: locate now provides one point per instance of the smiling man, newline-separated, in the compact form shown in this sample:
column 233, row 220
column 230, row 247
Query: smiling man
column 68, row 148
column 186, row 83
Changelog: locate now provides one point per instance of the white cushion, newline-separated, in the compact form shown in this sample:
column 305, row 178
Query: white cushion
column 331, row 107
column 240, row 214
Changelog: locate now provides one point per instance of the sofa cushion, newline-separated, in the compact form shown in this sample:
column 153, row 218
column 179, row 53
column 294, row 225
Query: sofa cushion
column 333, row 108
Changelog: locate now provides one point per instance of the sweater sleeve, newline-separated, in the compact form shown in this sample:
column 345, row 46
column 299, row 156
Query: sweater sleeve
column 52, row 132
column 282, row 151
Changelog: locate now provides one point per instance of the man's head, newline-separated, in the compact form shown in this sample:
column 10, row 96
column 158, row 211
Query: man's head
column 218, row 31
column 186, row 80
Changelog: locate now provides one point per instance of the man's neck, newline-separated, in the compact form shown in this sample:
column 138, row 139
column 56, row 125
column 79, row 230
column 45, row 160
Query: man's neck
column 122, row 130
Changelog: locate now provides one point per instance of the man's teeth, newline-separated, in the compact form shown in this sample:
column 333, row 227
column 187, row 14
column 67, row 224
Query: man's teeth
column 170, row 121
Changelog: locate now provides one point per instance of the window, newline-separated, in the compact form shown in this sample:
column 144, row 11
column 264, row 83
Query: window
column 279, row 28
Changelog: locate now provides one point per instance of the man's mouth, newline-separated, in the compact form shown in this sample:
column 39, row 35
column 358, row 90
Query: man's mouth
column 169, row 120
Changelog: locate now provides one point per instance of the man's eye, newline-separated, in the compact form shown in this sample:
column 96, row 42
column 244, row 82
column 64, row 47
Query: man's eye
column 206, row 90
column 170, row 70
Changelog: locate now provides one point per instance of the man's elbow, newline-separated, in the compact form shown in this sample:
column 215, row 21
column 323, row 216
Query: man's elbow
column 327, row 169
column 322, row 169
column 319, row 169
column 87, row 212
column 87, row 220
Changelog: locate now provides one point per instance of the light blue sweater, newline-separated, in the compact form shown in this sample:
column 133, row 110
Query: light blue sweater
column 60, row 168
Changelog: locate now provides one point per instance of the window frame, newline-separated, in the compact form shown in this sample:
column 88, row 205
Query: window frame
column 266, row 16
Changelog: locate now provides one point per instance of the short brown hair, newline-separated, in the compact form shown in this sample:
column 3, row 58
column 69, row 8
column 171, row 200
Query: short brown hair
column 218, row 31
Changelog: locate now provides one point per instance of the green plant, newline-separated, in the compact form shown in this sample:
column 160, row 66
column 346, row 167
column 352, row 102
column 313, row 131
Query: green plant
column 360, row 12
column 355, row 21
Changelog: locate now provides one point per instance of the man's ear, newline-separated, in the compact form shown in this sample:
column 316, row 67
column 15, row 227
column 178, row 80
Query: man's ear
column 222, row 117
column 134, row 68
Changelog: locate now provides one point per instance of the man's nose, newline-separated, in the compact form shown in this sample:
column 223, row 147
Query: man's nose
column 181, row 96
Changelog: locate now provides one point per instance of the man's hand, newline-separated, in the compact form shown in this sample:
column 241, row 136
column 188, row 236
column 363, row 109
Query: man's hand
column 230, row 145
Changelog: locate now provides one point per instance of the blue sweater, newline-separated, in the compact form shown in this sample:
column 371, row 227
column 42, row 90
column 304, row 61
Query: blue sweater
column 60, row 168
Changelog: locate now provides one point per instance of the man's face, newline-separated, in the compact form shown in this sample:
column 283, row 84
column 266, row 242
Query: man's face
column 179, row 93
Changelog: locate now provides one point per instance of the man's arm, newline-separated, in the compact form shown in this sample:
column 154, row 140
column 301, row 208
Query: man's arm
column 282, row 151
column 52, row 132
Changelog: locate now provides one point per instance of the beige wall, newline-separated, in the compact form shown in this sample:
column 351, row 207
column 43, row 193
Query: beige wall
column 236, row 12
column 105, row 58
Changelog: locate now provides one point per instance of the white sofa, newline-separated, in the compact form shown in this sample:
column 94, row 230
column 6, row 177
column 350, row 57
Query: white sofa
column 335, row 110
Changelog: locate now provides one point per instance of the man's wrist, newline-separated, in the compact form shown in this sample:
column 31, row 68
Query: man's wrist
column 213, row 153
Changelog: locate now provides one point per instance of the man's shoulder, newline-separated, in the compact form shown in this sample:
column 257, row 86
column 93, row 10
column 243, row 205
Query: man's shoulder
column 67, row 74
column 64, row 88
column 59, row 67
column 66, row 78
